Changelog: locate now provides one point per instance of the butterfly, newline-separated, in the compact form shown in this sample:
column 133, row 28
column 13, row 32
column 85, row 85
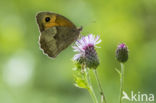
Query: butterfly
column 56, row 32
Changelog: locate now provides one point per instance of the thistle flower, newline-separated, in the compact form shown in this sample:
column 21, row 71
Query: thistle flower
column 122, row 53
column 86, row 51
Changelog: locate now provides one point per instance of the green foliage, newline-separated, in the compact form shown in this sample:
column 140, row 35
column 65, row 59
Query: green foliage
column 79, row 76
column 118, row 71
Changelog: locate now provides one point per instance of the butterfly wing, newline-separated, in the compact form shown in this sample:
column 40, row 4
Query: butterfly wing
column 57, row 32
column 47, row 41
column 55, row 39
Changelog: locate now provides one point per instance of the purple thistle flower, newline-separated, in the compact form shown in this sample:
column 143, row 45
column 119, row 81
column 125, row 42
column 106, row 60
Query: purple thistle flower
column 122, row 53
column 86, row 51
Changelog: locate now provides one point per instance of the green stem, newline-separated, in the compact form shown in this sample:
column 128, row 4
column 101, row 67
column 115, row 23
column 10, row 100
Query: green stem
column 92, row 94
column 103, row 100
column 90, row 88
column 121, row 81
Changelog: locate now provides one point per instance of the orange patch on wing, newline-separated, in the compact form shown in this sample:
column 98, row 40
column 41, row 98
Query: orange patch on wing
column 51, row 24
column 58, row 21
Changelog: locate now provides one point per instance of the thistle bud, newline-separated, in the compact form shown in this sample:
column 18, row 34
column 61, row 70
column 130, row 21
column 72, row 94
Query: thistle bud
column 122, row 53
column 92, row 60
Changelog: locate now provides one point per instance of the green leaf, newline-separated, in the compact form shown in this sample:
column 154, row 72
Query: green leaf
column 118, row 71
column 80, row 82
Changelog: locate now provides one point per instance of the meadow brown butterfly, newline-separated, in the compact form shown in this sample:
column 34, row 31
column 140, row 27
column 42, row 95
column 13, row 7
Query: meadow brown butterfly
column 56, row 32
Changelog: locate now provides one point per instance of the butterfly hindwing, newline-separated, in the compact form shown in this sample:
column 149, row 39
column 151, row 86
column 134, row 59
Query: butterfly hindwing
column 47, row 41
column 55, row 39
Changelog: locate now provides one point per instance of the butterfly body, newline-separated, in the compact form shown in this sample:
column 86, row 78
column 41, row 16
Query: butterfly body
column 56, row 33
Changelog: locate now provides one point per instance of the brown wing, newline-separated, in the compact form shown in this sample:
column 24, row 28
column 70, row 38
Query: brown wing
column 47, row 41
column 55, row 39
column 54, row 20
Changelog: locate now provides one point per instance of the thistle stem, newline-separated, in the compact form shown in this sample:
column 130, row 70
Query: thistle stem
column 90, row 88
column 92, row 94
column 121, row 81
column 103, row 100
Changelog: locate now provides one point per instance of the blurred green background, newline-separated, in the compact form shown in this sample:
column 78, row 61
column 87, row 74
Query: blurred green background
column 28, row 76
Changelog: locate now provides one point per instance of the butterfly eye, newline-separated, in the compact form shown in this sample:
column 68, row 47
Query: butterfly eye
column 47, row 19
